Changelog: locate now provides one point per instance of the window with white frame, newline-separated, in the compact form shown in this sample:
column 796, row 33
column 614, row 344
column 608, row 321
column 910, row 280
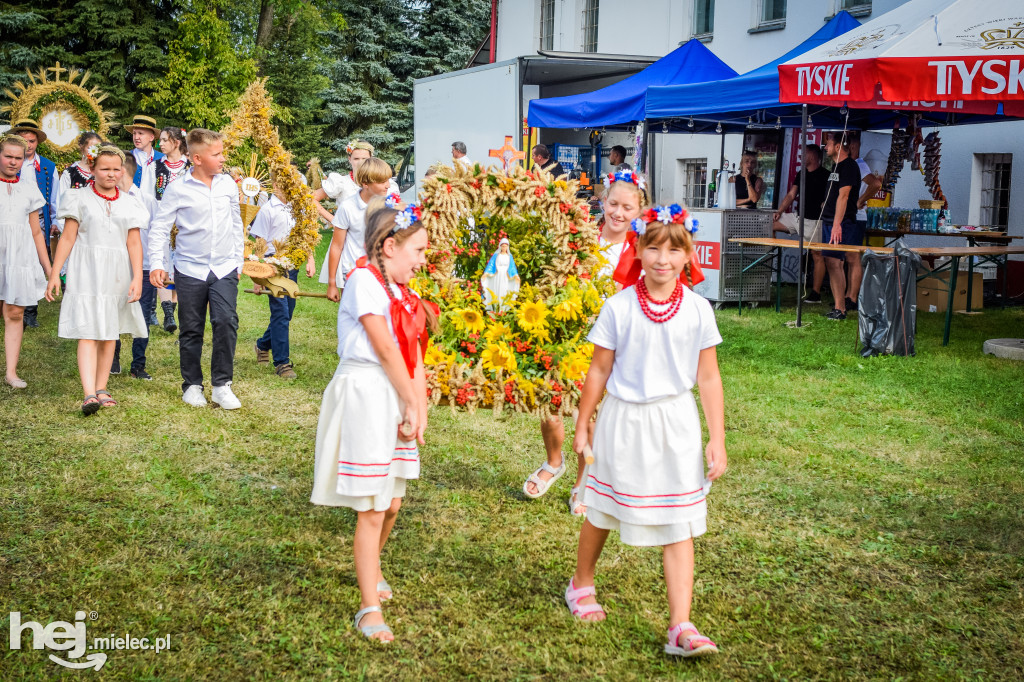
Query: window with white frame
column 773, row 11
column 547, row 24
column 703, row 17
column 856, row 7
column 694, row 173
column 995, row 189
column 589, row 26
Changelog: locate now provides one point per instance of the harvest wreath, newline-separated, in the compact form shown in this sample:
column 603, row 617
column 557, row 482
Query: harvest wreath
column 528, row 352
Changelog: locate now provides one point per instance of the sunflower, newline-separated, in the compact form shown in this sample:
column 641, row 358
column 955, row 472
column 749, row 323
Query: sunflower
column 533, row 316
column 436, row 355
column 569, row 309
column 469, row 319
column 574, row 366
column 498, row 331
column 499, row 356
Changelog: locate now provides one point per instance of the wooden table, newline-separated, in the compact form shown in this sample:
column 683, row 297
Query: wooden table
column 972, row 236
column 954, row 253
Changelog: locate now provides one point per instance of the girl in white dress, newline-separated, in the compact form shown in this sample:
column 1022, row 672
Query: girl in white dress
column 374, row 411
column 652, row 342
column 624, row 199
column 500, row 277
column 24, row 262
column 103, row 250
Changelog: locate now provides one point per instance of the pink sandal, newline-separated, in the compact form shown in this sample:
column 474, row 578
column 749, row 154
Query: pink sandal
column 572, row 600
column 694, row 643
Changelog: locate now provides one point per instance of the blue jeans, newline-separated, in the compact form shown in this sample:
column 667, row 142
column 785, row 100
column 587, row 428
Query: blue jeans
column 275, row 339
column 139, row 345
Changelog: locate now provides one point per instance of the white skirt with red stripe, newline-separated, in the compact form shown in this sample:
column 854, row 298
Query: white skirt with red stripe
column 647, row 479
column 360, row 461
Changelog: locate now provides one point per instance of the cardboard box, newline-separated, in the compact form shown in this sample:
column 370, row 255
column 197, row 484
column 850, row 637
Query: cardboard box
column 933, row 293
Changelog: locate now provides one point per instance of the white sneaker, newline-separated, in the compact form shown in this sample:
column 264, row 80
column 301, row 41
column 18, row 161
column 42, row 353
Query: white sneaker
column 194, row 396
column 223, row 396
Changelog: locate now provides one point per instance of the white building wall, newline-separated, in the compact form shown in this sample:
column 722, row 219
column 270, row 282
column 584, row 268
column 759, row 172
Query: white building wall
column 656, row 27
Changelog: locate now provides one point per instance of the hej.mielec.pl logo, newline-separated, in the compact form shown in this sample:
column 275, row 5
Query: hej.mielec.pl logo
column 71, row 638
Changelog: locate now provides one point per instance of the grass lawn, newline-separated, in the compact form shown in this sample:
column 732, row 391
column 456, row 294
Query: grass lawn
column 869, row 527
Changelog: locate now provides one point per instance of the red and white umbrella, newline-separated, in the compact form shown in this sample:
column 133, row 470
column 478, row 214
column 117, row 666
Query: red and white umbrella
column 965, row 55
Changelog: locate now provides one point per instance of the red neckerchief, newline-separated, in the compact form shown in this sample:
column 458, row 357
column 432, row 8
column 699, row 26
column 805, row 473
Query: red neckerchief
column 628, row 270
column 410, row 326
column 35, row 162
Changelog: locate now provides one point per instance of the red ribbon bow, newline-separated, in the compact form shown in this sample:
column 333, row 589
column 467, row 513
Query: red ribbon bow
column 410, row 326
column 628, row 269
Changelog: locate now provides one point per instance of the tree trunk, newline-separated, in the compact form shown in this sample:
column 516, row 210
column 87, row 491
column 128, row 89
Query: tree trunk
column 266, row 23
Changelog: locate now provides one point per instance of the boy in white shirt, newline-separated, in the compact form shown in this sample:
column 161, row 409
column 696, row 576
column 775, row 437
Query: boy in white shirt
column 347, row 244
column 208, row 254
column 274, row 223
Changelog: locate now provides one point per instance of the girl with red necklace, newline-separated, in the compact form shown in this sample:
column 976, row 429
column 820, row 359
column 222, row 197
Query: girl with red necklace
column 24, row 263
column 652, row 342
column 374, row 411
column 102, row 247
column 172, row 167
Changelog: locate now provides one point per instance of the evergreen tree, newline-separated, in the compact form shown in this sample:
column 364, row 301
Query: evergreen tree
column 121, row 42
column 450, row 31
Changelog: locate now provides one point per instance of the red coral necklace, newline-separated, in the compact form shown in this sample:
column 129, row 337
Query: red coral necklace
column 674, row 301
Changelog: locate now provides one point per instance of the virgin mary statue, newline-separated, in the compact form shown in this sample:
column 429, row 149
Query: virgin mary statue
column 500, row 277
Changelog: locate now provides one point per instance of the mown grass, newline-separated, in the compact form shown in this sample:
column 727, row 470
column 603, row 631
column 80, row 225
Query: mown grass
column 869, row 527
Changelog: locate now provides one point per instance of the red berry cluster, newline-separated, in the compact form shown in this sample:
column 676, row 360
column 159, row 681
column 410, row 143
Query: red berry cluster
column 465, row 394
column 509, row 397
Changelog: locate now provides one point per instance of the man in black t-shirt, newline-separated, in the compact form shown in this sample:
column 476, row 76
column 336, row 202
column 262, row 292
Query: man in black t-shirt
column 542, row 157
column 839, row 219
column 817, row 181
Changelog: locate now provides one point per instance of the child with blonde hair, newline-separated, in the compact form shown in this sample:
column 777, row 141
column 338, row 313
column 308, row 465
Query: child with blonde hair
column 624, row 199
column 374, row 177
column 103, row 250
column 24, row 262
column 652, row 342
column 374, row 411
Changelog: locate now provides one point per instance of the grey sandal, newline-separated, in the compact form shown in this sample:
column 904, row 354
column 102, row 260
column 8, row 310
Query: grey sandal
column 383, row 586
column 370, row 630
column 91, row 405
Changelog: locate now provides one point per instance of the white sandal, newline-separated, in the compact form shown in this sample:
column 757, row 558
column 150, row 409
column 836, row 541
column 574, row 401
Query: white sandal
column 542, row 485
column 370, row 630
column 575, row 503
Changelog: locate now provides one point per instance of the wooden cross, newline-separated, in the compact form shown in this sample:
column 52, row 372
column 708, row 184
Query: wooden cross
column 57, row 70
column 507, row 153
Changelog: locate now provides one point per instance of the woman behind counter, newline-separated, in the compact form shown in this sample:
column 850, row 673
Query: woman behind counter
column 749, row 187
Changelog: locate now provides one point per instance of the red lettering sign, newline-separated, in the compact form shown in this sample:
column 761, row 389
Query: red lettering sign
column 708, row 255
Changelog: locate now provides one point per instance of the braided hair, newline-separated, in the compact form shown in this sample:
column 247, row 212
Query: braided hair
column 380, row 226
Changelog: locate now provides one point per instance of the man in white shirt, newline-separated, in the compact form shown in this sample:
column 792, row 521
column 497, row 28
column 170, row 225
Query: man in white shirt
column 459, row 154
column 208, row 253
column 144, row 133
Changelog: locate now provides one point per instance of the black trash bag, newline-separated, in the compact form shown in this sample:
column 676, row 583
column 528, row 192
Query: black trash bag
column 887, row 303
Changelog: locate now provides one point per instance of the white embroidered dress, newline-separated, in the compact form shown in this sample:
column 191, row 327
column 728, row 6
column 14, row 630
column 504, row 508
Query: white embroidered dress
column 22, row 281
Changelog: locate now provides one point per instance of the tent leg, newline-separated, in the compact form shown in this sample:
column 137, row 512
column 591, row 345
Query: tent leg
column 803, row 187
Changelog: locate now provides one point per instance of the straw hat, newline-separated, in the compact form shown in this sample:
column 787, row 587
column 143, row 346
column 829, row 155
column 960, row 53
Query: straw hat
column 27, row 125
column 143, row 123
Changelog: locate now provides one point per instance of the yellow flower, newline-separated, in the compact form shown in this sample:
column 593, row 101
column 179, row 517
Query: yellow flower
column 574, row 366
column 499, row 356
column 436, row 356
column 533, row 315
column 498, row 331
column 592, row 299
column 469, row 319
column 569, row 309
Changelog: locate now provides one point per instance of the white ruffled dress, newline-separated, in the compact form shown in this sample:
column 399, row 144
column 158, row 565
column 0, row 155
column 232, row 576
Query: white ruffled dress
column 22, row 281
column 95, row 305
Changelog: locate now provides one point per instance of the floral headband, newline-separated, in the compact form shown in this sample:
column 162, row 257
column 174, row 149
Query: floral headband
column 392, row 200
column 406, row 217
column 13, row 138
column 355, row 144
column 665, row 215
column 103, row 148
column 625, row 175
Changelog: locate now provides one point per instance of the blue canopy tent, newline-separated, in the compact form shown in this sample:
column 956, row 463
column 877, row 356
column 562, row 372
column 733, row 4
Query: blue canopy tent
column 622, row 104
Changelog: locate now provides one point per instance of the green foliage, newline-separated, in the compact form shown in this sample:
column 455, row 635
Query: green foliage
column 205, row 74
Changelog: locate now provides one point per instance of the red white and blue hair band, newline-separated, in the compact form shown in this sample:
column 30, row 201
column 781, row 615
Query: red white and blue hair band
column 673, row 213
column 392, row 200
column 406, row 217
column 625, row 175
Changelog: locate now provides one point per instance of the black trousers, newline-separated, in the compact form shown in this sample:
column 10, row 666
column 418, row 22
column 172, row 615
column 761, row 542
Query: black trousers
column 194, row 296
